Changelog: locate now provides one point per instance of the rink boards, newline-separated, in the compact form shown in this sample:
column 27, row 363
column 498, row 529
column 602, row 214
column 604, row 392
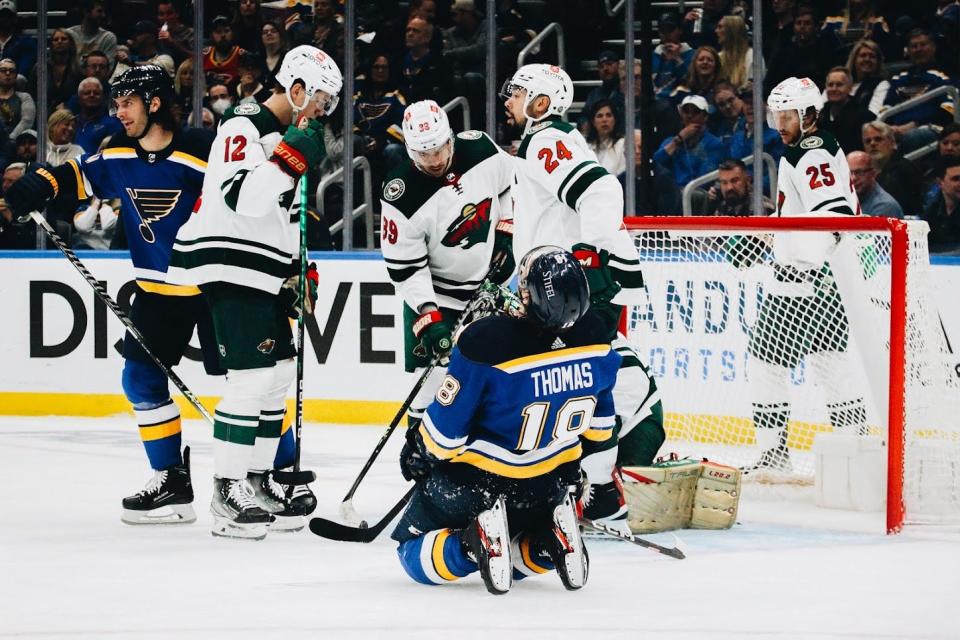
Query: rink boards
column 60, row 346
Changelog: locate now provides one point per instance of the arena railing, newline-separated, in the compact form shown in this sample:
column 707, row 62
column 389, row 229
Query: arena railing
column 365, row 208
column 460, row 102
column 713, row 175
column 952, row 92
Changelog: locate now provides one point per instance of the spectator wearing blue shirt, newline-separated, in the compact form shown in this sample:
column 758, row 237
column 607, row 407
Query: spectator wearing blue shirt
column 694, row 151
column 741, row 142
column 874, row 199
column 94, row 122
column 672, row 57
column 20, row 48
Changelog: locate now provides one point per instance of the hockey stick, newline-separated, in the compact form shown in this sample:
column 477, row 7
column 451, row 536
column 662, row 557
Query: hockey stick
column 599, row 527
column 295, row 477
column 347, row 512
column 346, row 533
column 117, row 311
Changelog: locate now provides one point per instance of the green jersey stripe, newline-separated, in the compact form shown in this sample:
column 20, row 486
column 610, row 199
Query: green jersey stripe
column 583, row 182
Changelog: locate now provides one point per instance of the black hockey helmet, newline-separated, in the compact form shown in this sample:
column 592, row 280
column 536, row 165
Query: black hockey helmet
column 553, row 288
column 148, row 81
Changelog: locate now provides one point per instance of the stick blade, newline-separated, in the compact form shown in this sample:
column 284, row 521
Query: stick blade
column 341, row 532
column 294, row 477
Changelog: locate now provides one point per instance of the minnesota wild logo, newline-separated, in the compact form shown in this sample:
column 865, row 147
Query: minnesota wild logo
column 471, row 227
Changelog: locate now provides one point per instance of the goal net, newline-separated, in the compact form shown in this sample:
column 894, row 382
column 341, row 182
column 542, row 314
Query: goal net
column 762, row 333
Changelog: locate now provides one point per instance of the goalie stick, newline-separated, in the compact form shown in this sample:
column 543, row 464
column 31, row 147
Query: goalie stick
column 347, row 533
column 117, row 311
column 599, row 527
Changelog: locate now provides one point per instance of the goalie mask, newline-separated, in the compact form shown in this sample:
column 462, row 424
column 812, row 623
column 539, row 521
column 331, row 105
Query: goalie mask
column 797, row 95
column 428, row 137
column 318, row 73
column 541, row 80
column 553, row 288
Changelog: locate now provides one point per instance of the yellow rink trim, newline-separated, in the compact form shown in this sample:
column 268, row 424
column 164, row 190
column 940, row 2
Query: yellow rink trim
column 99, row 405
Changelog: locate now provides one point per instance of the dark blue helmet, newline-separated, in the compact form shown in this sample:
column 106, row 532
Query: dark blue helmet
column 553, row 288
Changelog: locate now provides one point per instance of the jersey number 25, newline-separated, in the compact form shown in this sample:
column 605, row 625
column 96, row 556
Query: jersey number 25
column 815, row 173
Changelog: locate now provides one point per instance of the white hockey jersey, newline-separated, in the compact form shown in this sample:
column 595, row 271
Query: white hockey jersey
column 437, row 233
column 563, row 196
column 813, row 180
column 246, row 229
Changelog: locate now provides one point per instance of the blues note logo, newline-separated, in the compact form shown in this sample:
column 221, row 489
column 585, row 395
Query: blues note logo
column 152, row 205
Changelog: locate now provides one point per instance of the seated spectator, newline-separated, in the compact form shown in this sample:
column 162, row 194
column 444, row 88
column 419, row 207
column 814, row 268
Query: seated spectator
column 921, row 77
column 249, row 87
column 327, row 29
column 694, row 151
column 841, row 116
column 729, row 114
column 874, row 199
column 94, row 122
column 89, row 35
column 174, row 37
column 778, row 27
column 664, row 120
column 143, row 48
column 378, row 114
column 273, row 43
column 605, row 137
column 63, row 70
column 464, row 52
column 943, row 214
column 219, row 99
column 94, row 224
column 607, row 65
column 14, row 44
column 736, row 54
column 870, row 84
column 423, row 72
column 61, row 128
column 899, row 177
column 861, row 20
column 741, row 143
column 246, row 25
column 183, row 86
column 948, row 146
column 97, row 65
column 17, row 108
column 221, row 60
column 732, row 195
column 12, row 173
column 663, row 198
column 702, row 78
column 14, row 235
column 209, row 122
column 811, row 53
column 672, row 57
column 700, row 25
column 25, row 150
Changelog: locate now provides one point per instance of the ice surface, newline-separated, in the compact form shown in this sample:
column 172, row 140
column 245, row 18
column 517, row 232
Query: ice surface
column 70, row 569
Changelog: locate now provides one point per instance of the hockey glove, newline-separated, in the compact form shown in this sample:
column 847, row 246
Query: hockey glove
column 290, row 292
column 596, row 266
column 415, row 463
column 31, row 192
column 502, row 263
column 300, row 149
column 434, row 334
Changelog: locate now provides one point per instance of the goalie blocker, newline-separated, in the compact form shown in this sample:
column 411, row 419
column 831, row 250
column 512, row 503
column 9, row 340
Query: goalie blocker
column 681, row 494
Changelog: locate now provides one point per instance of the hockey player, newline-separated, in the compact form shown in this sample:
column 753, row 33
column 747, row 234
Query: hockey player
column 499, row 448
column 242, row 249
column 563, row 197
column 156, row 169
column 802, row 316
column 444, row 226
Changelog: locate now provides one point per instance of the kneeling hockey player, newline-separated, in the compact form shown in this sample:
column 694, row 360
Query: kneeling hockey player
column 499, row 448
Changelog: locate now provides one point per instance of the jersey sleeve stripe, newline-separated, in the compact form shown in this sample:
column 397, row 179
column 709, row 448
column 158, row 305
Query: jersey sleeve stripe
column 583, row 166
column 422, row 259
column 554, row 357
column 456, row 294
column 81, row 190
column 830, row 201
column 456, row 283
column 577, row 188
column 218, row 241
column 231, row 188
column 402, row 275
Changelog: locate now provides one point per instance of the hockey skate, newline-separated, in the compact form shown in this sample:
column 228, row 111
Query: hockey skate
column 605, row 503
column 166, row 498
column 236, row 512
column 565, row 547
column 291, row 515
column 487, row 540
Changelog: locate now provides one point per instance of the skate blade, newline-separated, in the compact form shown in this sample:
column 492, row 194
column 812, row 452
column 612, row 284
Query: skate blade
column 167, row 514
column 226, row 528
column 500, row 566
column 288, row 524
column 574, row 562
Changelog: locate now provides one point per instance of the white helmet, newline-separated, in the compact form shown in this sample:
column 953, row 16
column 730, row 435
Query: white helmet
column 794, row 94
column 316, row 70
column 425, row 128
column 541, row 80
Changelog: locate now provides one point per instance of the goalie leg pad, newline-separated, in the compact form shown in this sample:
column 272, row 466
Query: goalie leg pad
column 717, row 497
column 660, row 497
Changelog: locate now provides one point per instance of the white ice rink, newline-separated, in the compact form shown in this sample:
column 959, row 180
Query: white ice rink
column 70, row 569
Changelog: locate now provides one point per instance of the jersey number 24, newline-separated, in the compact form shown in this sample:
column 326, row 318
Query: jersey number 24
column 546, row 154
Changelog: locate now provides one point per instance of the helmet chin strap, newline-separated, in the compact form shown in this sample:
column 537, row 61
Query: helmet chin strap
column 151, row 120
column 293, row 105
column 531, row 120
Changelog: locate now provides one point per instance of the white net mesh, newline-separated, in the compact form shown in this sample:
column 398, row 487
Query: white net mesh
column 761, row 340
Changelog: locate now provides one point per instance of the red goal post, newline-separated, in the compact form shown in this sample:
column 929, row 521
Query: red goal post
column 880, row 267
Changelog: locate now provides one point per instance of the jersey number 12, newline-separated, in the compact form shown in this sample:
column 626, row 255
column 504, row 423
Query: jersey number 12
column 239, row 143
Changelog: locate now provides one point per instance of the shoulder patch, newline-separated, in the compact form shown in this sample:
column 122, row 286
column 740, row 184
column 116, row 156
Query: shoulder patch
column 394, row 189
column 811, row 142
column 247, row 109
column 470, row 135
column 263, row 119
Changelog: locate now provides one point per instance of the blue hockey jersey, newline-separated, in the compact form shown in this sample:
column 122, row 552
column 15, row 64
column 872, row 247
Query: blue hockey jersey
column 157, row 191
column 516, row 403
